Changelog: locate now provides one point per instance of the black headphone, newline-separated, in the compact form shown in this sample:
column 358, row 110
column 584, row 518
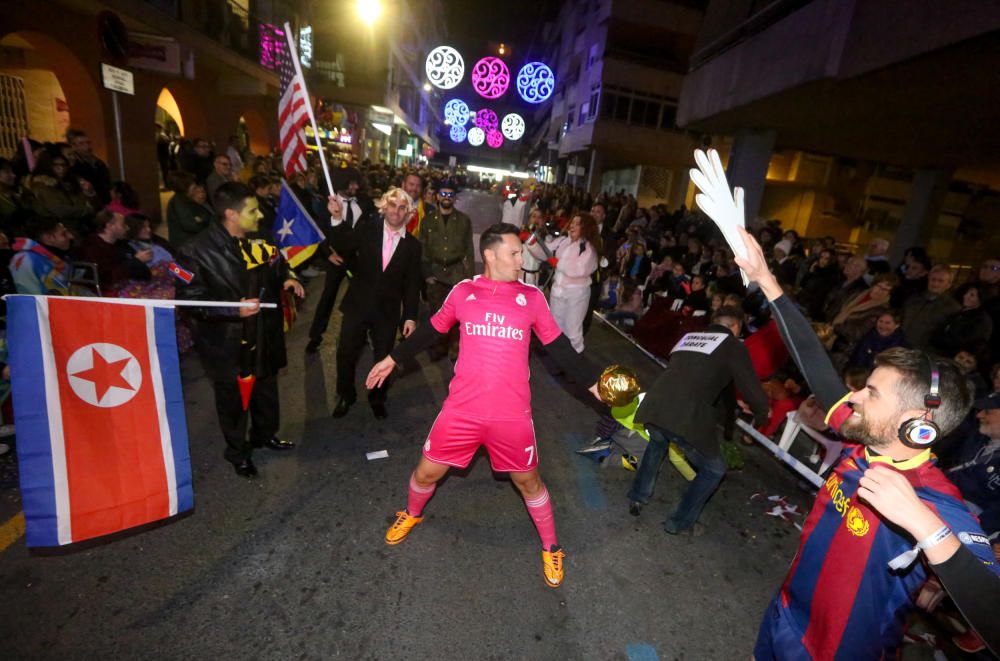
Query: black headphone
column 920, row 433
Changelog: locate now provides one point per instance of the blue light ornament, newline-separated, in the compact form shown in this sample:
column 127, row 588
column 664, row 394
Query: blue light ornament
column 535, row 82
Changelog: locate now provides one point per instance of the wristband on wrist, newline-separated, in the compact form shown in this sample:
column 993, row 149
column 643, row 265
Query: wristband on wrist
column 905, row 559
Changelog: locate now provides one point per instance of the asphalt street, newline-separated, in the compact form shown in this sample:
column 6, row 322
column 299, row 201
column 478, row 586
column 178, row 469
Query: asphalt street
column 293, row 565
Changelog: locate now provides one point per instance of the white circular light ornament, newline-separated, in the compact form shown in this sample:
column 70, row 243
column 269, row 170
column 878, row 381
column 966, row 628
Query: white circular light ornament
column 512, row 126
column 476, row 136
column 445, row 67
column 457, row 133
column 456, row 112
column 535, row 82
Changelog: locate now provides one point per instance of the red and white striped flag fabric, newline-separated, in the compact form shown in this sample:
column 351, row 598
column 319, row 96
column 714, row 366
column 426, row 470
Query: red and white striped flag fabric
column 293, row 115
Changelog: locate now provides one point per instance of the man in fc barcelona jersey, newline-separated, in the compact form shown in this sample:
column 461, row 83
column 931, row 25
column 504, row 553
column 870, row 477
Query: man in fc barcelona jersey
column 856, row 575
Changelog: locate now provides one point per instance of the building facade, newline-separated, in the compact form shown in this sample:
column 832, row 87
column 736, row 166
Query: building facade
column 205, row 67
column 620, row 66
column 369, row 75
column 891, row 106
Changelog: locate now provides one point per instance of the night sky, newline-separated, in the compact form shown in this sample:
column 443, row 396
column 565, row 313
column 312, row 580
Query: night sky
column 473, row 25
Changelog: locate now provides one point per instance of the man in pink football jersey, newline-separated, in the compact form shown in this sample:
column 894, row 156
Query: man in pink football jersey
column 489, row 399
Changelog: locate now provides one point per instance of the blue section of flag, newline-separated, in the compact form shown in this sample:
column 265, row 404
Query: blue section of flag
column 173, row 399
column 293, row 227
column 34, row 460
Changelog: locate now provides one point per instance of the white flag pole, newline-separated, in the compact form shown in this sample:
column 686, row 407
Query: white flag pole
column 312, row 118
column 154, row 302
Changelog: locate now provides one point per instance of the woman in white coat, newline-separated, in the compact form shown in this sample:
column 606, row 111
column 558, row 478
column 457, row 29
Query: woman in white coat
column 575, row 255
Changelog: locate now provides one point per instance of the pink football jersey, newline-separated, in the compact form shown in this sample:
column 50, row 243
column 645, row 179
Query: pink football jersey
column 495, row 321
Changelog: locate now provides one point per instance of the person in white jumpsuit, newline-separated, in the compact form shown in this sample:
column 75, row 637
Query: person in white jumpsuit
column 576, row 254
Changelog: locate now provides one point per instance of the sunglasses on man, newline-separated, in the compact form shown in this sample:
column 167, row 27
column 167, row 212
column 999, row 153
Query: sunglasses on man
column 446, row 193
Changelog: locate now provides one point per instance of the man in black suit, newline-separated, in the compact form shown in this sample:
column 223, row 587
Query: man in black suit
column 384, row 261
column 346, row 182
column 609, row 245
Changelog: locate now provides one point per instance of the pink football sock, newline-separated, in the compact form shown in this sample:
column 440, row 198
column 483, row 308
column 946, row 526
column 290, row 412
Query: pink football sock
column 418, row 497
column 540, row 509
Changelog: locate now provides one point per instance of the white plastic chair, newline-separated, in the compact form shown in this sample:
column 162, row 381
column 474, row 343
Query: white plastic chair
column 831, row 447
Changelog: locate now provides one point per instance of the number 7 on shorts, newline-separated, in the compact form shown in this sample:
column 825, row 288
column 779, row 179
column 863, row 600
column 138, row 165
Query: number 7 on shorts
column 531, row 454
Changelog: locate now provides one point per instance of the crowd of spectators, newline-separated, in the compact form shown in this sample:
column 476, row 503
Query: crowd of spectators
column 666, row 270
column 67, row 228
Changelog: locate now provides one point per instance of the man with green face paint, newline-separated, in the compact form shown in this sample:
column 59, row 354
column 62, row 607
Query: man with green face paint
column 222, row 264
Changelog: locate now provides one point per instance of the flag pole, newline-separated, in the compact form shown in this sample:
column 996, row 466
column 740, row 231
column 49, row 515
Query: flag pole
column 154, row 302
column 312, row 118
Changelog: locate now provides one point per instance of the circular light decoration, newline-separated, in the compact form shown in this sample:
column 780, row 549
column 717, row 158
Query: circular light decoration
column 494, row 138
column 456, row 112
column 490, row 77
column 486, row 119
column 535, row 82
column 457, row 133
column 512, row 126
column 445, row 67
column 476, row 136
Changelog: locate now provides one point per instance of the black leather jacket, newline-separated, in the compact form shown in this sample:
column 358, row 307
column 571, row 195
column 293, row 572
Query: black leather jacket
column 220, row 274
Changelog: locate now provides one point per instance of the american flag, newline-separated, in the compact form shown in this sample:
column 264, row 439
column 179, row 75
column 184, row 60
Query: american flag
column 293, row 114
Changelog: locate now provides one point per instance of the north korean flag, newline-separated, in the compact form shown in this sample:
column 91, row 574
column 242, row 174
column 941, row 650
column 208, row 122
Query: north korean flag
column 101, row 433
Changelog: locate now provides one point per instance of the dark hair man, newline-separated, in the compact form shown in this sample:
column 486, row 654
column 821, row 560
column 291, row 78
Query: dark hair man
column 489, row 401
column 413, row 186
column 87, row 166
column 222, row 264
column 685, row 405
column 107, row 248
column 853, row 579
column 447, row 256
column 40, row 264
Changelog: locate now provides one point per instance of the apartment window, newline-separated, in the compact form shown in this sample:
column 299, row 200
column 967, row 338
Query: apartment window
column 668, row 121
column 592, row 56
column 569, row 118
column 621, row 108
column 638, row 113
column 584, row 111
column 608, row 107
column 592, row 105
column 652, row 115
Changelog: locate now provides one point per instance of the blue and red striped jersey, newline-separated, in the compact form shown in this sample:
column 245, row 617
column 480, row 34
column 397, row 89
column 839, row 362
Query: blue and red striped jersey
column 840, row 599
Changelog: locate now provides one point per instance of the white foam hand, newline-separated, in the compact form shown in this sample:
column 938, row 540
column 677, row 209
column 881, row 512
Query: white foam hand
column 715, row 199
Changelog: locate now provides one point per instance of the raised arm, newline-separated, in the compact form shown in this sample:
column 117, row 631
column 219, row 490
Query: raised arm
column 805, row 348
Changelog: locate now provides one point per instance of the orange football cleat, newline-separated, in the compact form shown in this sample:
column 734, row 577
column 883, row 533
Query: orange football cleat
column 552, row 566
column 401, row 527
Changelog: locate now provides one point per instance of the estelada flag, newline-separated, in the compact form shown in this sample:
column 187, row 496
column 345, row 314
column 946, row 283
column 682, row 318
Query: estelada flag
column 101, row 433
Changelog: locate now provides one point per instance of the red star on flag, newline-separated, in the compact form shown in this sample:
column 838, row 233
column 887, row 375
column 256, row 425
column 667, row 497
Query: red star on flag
column 105, row 375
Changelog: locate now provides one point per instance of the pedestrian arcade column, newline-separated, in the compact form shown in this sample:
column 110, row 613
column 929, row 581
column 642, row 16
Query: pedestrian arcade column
column 748, row 163
column 923, row 206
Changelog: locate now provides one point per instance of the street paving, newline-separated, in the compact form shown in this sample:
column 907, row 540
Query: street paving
column 293, row 565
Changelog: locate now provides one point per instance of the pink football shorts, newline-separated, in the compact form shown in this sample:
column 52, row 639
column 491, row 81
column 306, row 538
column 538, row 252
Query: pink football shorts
column 455, row 437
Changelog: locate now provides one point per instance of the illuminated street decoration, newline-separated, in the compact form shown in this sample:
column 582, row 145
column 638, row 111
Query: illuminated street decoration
column 306, row 46
column 457, row 133
column 456, row 112
column 272, row 45
column 535, row 82
column 476, row 136
column 512, row 126
column 494, row 138
column 444, row 67
column 486, row 119
column 490, row 77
